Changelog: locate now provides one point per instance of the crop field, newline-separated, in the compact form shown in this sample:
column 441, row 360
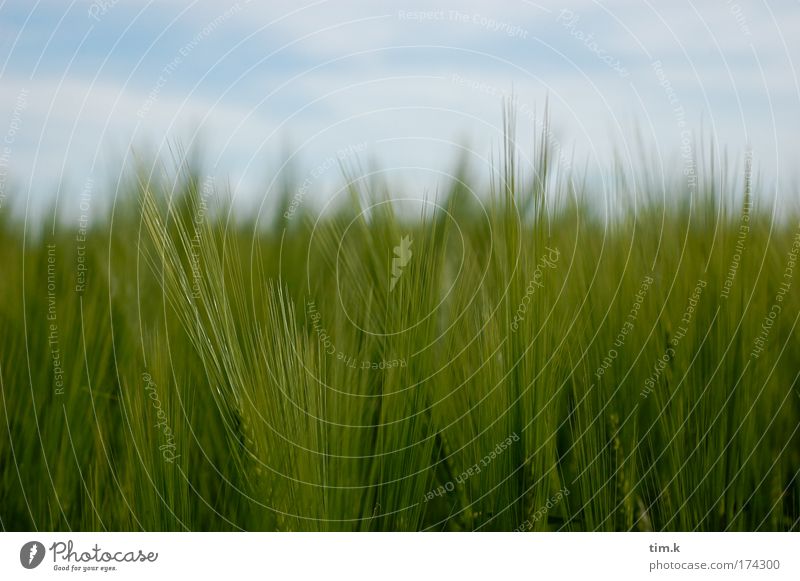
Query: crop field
column 529, row 352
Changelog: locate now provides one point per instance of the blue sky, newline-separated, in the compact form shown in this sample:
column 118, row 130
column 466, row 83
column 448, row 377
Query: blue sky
column 405, row 84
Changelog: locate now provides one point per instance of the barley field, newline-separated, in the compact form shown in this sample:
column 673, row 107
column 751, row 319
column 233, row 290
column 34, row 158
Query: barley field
column 531, row 352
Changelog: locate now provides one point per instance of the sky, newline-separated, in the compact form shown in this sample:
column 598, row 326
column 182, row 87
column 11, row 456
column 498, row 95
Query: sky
column 265, row 91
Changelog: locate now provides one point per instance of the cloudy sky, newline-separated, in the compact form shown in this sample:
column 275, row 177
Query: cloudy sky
column 401, row 85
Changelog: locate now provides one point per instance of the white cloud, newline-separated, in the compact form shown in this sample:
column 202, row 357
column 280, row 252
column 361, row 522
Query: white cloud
column 66, row 127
